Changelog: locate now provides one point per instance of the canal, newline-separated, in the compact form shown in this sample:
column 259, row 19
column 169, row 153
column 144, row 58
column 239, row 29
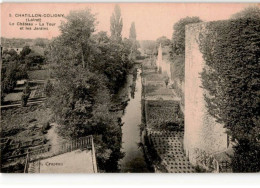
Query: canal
column 134, row 160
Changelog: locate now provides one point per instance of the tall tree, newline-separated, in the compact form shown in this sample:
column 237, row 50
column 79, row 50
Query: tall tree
column 132, row 34
column 77, row 31
column 116, row 24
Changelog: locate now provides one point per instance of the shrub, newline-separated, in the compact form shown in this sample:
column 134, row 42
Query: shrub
column 46, row 126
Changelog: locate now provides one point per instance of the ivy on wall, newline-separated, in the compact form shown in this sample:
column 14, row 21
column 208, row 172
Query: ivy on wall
column 231, row 50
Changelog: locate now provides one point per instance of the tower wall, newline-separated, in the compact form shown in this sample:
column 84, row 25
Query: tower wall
column 202, row 133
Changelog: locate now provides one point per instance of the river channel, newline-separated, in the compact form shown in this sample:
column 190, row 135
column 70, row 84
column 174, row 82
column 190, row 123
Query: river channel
column 134, row 160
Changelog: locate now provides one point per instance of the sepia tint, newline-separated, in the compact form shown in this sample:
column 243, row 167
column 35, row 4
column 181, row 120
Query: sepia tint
column 130, row 87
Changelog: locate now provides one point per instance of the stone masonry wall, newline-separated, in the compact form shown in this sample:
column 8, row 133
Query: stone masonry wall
column 201, row 132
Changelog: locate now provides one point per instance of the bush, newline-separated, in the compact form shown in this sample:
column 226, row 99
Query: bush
column 46, row 126
column 231, row 51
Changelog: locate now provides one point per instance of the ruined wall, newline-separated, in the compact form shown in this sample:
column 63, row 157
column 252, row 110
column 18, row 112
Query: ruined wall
column 201, row 132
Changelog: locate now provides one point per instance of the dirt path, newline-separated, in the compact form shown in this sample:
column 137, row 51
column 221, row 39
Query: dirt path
column 54, row 139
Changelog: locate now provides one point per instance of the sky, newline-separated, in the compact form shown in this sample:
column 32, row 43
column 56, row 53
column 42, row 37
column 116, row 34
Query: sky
column 152, row 20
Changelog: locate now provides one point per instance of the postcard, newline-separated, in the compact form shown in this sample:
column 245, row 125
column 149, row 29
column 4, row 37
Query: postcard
column 130, row 87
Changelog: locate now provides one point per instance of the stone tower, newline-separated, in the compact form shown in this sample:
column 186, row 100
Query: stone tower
column 159, row 57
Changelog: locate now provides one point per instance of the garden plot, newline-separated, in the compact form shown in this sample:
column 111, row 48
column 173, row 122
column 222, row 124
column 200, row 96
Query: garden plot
column 37, row 91
column 155, row 88
column 22, row 129
column 39, row 74
column 163, row 115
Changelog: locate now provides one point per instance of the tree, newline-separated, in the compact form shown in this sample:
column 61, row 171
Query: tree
column 178, row 37
column 133, row 43
column 33, row 58
column 116, row 24
column 178, row 45
column 80, row 96
column 9, row 55
column 111, row 59
column 249, row 12
column 25, row 51
column 148, row 46
column 76, row 32
column 132, row 33
column 10, row 73
column 164, row 41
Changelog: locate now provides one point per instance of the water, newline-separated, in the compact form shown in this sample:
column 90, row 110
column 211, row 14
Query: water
column 134, row 158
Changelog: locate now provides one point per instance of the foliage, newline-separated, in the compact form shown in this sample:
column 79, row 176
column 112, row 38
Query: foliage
column 10, row 73
column 249, row 12
column 178, row 37
column 15, row 42
column 164, row 41
column 179, row 67
column 9, row 55
column 133, row 43
column 25, row 51
column 41, row 42
column 88, row 68
column 178, row 45
column 33, row 58
column 231, row 52
column 116, row 24
column 132, row 33
column 111, row 58
column 76, row 32
column 45, row 127
column 149, row 46
column 26, row 56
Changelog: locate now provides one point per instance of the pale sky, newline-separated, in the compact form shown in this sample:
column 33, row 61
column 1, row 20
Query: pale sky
column 152, row 20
